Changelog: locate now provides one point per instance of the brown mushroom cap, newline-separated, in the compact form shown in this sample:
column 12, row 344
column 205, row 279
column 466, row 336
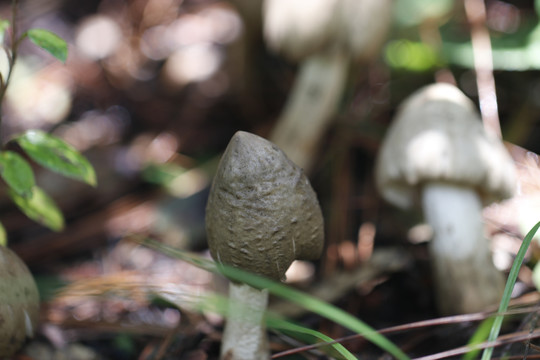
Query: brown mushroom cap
column 262, row 212
column 437, row 135
column 19, row 303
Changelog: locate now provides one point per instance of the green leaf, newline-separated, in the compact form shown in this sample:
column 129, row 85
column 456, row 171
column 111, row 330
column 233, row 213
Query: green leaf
column 410, row 55
column 56, row 155
column 49, row 42
column 3, row 235
column 16, row 172
column 4, row 25
column 40, row 208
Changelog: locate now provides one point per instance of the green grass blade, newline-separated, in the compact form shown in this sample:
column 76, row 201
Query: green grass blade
column 317, row 306
column 479, row 336
column 219, row 304
column 306, row 301
column 512, row 277
column 287, row 326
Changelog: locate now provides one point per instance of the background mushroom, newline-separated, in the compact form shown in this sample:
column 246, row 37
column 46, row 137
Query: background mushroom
column 262, row 214
column 19, row 303
column 436, row 152
column 326, row 36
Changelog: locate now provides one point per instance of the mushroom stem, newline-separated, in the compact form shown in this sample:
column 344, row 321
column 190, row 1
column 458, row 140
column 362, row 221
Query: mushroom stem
column 244, row 337
column 466, row 279
column 313, row 100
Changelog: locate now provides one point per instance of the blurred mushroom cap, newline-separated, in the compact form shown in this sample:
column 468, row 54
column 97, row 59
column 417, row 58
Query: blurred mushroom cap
column 364, row 26
column 301, row 28
column 262, row 212
column 437, row 135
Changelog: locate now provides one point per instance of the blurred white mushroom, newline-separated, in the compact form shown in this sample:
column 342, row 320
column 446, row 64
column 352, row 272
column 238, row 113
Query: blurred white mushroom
column 437, row 153
column 326, row 36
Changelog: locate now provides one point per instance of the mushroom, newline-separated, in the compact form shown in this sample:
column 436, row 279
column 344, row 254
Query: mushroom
column 437, row 153
column 261, row 215
column 326, row 36
column 19, row 303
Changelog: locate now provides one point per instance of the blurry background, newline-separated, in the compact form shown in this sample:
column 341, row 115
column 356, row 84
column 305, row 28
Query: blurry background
column 152, row 92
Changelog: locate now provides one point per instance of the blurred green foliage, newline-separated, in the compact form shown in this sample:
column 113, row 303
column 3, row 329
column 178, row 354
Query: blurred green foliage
column 517, row 50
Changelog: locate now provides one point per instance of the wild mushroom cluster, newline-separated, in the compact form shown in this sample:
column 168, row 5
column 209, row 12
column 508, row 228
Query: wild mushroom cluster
column 262, row 214
column 436, row 153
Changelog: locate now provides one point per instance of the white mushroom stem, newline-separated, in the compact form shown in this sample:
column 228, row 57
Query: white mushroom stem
column 309, row 109
column 244, row 337
column 465, row 277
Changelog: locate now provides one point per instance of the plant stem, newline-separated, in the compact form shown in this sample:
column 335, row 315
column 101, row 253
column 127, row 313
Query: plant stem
column 11, row 55
column 483, row 65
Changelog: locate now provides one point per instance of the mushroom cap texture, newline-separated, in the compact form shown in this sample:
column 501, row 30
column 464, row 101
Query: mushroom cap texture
column 19, row 303
column 300, row 28
column 262, row 213
column 437, row 135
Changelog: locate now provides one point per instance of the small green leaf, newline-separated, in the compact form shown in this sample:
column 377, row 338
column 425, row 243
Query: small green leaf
column 3, row 235
column 4, row 25
column 40, row 208
column 16, row 172
column 49, row 42
column 55, row 154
